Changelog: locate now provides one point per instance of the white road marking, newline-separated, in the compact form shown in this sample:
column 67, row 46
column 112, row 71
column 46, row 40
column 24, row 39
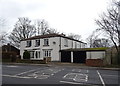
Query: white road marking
column 85, row 77
column 78, row 77
column 27, row 72
column 80, row 70
column 70, row 82
column 66, row 75
column 16, row 76
column 11, row 66
column 101, row 78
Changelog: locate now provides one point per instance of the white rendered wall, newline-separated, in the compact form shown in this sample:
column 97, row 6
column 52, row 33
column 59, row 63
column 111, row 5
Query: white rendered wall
column 54, row 46
column 95, row 54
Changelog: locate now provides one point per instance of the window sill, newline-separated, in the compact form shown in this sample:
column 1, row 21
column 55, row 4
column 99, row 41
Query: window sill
column 45, row 45
column 28, row 46
column 37, row 46
column 66, row 45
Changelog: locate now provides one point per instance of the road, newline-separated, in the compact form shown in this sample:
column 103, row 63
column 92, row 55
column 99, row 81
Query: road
column 41, row 74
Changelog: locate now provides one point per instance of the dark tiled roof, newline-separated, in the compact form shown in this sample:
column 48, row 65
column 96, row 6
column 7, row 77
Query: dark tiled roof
column 49, row 36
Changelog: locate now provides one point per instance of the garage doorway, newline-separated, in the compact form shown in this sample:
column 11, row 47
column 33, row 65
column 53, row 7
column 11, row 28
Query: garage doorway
column 65, row 56
column 79, row 56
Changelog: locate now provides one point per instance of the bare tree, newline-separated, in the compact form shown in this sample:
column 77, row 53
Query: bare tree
column 109, row 23
column 43, row 28
column 3, row 34
column 90, row 40
column 3, row 38
column 101, row 42
column 74, row 36
column 52, row 31
column 22, row 30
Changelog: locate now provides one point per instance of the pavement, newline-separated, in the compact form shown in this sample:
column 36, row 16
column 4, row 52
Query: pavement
column 67, row 64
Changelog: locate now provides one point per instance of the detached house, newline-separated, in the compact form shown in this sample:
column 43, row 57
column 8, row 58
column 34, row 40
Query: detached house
column 49, row 45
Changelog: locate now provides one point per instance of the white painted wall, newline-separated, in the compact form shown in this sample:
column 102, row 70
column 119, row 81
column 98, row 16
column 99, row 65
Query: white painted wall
column 63, row 44
column 22, row 46
column 95, row 54
column 53, row 47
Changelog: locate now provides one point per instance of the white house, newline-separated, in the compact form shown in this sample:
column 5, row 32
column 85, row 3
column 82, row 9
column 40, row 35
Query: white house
column 48, row 45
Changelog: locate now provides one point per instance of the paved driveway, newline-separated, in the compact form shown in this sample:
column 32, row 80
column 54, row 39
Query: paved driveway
column 41, row 74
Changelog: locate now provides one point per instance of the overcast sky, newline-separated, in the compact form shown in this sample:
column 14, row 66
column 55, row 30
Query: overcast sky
column 69, row 16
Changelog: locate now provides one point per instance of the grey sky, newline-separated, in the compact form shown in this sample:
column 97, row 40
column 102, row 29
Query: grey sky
column 69, row 16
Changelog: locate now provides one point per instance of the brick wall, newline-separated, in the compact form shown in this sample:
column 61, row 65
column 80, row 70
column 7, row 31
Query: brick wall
column 94, row 62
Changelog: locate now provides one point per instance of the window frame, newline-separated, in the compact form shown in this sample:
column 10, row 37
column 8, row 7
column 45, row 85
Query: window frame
column 31, row 54
column 28, row 43
column 37, row 42
column 66, row 42
column 46, row 42
column 47, row 53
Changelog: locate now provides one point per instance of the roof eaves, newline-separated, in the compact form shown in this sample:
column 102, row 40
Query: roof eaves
column 50, row 35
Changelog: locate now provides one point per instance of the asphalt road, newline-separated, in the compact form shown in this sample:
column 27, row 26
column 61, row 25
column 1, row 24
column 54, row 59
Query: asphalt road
column 41, row 74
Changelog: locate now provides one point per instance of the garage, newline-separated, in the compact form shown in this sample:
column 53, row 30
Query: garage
column 79, row 56
column 65, row 56
column 88, row 56
column 73, row 56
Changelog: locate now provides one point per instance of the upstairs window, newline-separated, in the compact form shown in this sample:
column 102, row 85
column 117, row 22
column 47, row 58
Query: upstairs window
column 65, row 42
column 37, row 43
column 28, row 43
column 46, row 42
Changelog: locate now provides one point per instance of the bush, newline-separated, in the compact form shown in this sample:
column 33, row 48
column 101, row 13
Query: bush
column 26, row 55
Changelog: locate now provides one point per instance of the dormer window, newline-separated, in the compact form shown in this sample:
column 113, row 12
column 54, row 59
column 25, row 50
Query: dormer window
column 37, row 42
column 28, row 43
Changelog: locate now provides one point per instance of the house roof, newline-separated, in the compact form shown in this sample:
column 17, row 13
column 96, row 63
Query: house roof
column 49, row 36
column 87, row 49
column 10, row 48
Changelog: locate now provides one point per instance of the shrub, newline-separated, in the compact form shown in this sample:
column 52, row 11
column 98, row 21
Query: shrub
column 26, row 55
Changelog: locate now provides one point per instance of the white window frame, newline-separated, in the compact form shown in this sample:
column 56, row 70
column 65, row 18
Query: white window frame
column 31, row 54
column 47, row 53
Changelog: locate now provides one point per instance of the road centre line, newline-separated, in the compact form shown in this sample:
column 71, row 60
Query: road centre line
column 101, row 78
column 70, row 82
